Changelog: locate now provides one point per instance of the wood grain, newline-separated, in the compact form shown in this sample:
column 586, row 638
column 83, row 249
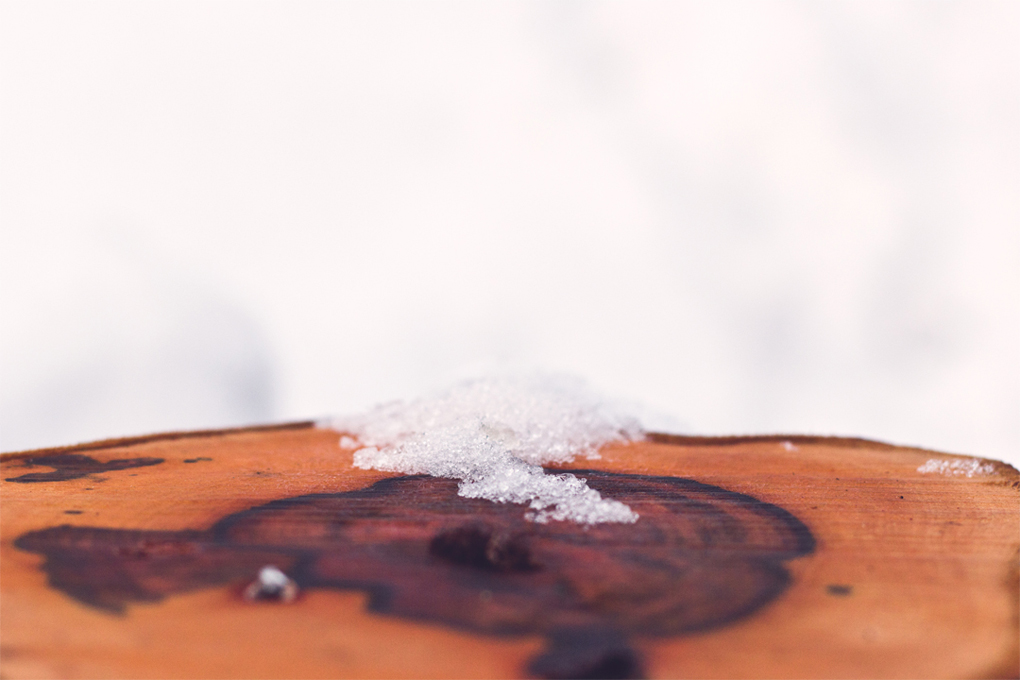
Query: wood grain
column 776, row 556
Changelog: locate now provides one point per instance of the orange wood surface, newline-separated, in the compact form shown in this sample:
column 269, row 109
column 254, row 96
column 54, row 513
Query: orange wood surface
column 912, row 574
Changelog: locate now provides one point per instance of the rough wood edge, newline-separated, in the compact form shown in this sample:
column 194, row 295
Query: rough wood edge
column 123, row 442
column 807, row 439
column 1001, row 467
column 657, row 437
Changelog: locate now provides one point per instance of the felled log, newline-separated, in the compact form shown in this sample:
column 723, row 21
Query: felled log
column 263, row 552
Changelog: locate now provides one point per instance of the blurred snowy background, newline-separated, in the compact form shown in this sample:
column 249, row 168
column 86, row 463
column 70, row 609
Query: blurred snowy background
column 755, row 216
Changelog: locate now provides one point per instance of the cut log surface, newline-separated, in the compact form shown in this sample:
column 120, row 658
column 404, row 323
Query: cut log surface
column 771, row 556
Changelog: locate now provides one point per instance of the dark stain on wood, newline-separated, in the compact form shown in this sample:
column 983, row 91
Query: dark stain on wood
column 68, row 466
column 587, row 653
column 197, row 460
column 699, row 557
column 839, row 589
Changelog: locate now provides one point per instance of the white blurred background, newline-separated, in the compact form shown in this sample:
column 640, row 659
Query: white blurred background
column 753, row 216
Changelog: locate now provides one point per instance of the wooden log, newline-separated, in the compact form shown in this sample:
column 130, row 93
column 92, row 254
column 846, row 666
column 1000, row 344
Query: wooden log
column 777, row 556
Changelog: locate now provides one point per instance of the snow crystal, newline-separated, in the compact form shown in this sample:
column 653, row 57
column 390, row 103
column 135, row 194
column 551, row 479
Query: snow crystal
column 494, row 435
column 966, row 466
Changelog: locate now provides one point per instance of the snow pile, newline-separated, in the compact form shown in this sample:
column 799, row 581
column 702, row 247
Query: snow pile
column 966, row 466
column 494, row 435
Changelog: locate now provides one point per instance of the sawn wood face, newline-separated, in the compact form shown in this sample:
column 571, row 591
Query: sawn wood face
column 767, row 556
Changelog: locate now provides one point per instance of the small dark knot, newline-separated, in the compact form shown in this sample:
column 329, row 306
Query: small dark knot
column 479, row 546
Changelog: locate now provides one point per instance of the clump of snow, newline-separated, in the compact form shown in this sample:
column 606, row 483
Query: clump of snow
column 965, row 466
column 271, row 584
column 494, row 435
column 272, row 577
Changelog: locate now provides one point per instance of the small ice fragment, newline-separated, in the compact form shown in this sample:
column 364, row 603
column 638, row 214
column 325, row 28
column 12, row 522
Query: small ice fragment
column 271, row 584
column 348, row 442
column 789, row 446
column 958, row 466
column 494, row 435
